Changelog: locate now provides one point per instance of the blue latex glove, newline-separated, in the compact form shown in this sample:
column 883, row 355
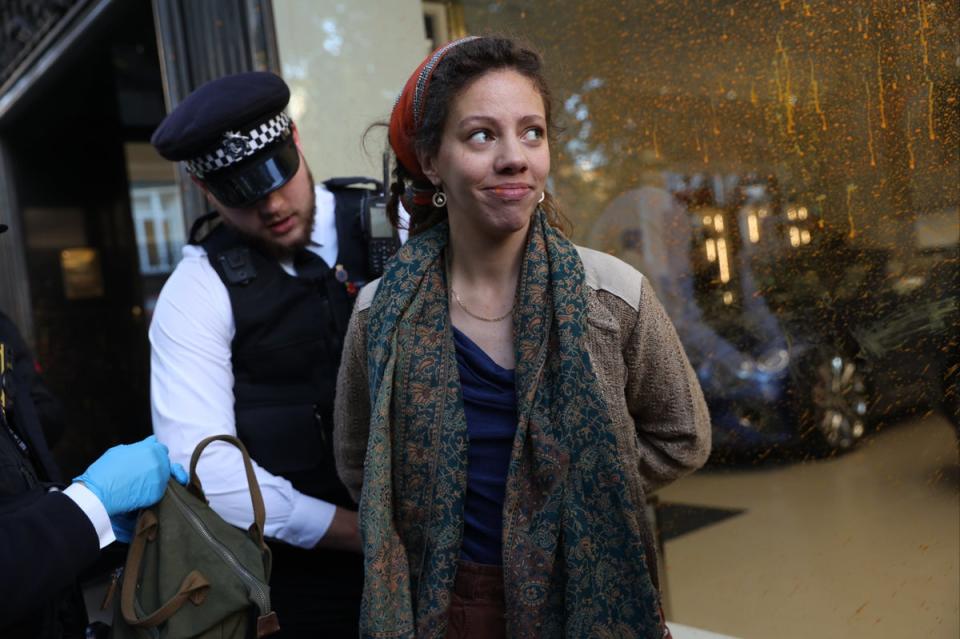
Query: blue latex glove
column 123, row 526
column 127, row 478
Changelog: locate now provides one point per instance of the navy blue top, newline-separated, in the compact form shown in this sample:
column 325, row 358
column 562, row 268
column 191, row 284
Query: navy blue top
column 490, row 405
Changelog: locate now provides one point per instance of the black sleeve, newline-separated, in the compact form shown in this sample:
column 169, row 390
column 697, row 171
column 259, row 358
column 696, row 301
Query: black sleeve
column 44, row 545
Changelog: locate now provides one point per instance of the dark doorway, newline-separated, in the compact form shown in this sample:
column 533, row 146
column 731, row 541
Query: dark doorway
column 73, row 190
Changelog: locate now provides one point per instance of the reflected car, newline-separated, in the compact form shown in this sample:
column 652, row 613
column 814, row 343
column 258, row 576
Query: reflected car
column 864, row 349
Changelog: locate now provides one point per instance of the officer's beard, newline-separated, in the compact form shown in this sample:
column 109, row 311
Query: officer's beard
column 287, row 251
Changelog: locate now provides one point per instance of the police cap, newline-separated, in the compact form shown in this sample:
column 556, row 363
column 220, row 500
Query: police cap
column 233, row 136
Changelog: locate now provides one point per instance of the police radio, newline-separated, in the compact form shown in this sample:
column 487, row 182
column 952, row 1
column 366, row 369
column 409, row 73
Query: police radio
column 382, row 239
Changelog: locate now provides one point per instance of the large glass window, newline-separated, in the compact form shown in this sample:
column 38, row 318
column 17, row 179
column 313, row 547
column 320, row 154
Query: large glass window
column 785, row 174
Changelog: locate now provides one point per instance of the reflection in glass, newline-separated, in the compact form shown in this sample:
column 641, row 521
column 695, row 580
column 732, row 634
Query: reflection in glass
column 158, row 225
column 82, row 274
column 785, row 175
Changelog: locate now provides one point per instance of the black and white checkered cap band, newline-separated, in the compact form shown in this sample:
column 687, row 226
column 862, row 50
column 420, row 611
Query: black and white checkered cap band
column 236, row 146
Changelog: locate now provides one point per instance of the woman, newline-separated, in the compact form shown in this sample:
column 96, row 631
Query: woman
column 506, row 400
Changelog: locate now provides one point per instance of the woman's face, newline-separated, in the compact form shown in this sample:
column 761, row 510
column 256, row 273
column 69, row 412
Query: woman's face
column 494, row 157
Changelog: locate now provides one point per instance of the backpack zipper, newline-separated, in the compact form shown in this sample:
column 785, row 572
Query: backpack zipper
column 255, row 585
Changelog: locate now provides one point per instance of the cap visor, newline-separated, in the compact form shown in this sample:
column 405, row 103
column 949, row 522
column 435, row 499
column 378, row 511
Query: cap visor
column 254, row 180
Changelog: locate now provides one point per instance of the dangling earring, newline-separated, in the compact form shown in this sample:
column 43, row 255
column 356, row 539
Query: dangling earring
column 543, row 194
column 439, row 198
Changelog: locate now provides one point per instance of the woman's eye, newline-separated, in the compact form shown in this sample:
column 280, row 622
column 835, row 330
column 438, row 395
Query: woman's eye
column 535, row 133
column 480, row 136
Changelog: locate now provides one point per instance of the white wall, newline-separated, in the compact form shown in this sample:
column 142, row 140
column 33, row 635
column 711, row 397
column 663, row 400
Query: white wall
column 345, row 62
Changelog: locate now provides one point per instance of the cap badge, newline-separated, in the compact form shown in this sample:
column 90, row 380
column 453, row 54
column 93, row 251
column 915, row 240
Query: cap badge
column 237, row 145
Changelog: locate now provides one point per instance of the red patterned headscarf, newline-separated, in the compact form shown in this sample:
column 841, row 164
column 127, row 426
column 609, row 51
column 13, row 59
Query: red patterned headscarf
column 408, row 111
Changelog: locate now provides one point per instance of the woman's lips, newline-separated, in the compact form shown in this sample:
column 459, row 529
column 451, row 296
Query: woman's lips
column 510, row 191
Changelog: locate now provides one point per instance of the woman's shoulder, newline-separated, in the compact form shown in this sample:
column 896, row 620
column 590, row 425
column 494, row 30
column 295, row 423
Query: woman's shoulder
column 604, row 272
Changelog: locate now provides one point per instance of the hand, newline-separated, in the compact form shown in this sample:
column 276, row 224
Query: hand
column 127, row 478
column 343, row 533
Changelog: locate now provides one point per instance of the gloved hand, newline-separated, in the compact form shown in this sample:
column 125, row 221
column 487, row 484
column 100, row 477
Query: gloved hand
column 124, row 525
column 127, row 478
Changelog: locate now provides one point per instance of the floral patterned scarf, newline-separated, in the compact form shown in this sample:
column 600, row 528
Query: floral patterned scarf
column 574, row 563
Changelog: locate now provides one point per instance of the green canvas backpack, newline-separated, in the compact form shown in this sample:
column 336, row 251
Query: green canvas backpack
column 191, row 574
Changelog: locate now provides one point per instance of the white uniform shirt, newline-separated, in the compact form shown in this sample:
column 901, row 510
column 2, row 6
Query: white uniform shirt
column 191, row 390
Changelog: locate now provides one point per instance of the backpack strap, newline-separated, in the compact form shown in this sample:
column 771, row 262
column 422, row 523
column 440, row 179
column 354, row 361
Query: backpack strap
column 193, row 588
column 195, row 487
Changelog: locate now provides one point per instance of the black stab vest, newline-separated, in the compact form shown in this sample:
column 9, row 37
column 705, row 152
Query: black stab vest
column 286, row 351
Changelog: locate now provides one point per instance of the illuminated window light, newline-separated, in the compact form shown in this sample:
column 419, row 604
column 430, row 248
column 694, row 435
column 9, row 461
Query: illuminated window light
column 722, row 259
column 711, row 247
column 707, row 220
column 791, row 214
column 753, row 228
column 728, row 298
column 718, row 223
column 802, row 213
column 794, row 236
column 805, row 236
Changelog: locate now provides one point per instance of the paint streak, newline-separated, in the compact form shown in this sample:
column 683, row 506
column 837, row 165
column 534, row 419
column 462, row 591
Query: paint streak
column 922, row 16
column 873, row 155
column 815, row 90
column 787, row 95
column 851, row 188
column 880, row 93
column 911, row 157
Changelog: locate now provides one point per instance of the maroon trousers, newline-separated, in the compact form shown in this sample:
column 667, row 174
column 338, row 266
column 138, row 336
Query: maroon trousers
column 477, row 608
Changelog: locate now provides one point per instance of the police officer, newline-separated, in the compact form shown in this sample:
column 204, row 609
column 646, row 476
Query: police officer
column 246, row 340
column 47, row 535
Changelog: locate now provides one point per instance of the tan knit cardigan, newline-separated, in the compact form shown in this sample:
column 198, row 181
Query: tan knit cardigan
column 657, row 409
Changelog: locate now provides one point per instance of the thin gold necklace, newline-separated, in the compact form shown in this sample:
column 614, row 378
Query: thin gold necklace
column 474, row 315
column 460, row 303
